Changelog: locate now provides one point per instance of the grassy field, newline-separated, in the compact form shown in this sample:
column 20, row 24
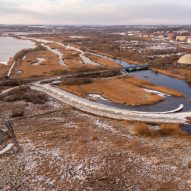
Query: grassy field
column 127, row 90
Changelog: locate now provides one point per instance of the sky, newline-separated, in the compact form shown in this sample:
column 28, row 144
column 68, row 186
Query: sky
column 95, row 12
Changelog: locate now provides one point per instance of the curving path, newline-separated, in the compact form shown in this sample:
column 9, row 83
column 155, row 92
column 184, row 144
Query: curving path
column 107, row 111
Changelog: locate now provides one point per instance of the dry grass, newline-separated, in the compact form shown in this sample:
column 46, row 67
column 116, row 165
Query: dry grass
column 148, row 85
column 24, row 93
column 103, row 61
column 50, row 66
column 3, row 70
column 180, row 73
column 164, row 130
column 44, row 69
column 71, row 57
column 76, row 81
column 124, row 92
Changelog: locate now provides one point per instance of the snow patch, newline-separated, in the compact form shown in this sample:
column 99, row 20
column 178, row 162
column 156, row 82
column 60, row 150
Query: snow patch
column 97, row 96
column 39, row 61
column 7, row 148
column 156, row 93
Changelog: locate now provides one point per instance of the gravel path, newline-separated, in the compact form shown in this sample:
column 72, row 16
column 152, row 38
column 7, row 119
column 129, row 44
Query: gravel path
column 107, row 111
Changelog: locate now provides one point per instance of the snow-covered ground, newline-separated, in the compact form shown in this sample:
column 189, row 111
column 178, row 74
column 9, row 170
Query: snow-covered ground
column 97, row 96
column 58, row 53
column 156, row 93
column 7, row 148
column 4, row 63
column 39, row 61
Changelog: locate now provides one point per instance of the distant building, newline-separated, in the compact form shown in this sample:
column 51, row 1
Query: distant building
column 189, row 40
column 186, row 59
column 171, row 35
column 182, row 38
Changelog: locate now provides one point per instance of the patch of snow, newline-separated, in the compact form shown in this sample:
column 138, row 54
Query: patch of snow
column 58, row 53
column 7, row 148
column 105, row 126
column 156, row 93
column 39, row 61
column 86, row 60
column 97, row 96
column 54, row 103
column 4, row 63
column 78, row 37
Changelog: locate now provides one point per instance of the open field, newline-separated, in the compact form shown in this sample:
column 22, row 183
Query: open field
column 121, row 90
column 44, row 69
column 103, row 61
column 71, row 57
column 65, row 148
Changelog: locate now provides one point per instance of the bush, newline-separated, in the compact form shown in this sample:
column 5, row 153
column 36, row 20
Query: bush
column 76, row 81
column 142, row 129
column 100, row 74
column 17, row 113
column 12, row 82
column 163, row 131
column 59, row 72
column 189, row 165
column 25, row 93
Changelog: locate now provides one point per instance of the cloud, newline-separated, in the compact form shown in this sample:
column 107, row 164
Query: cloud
column 95, row 12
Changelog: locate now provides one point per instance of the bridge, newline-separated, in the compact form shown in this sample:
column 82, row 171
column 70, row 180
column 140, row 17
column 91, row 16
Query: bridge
column 133, row 68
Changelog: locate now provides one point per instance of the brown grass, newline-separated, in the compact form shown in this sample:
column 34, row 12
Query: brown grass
column 103, row 61
column 43, row 69
column 180, row 73
column 50, row 66
column 24, row 93
column 3, row 70
column 71, row 57
column 76, row 81
column 125, row 90
column 148, row 85
column 164, row 130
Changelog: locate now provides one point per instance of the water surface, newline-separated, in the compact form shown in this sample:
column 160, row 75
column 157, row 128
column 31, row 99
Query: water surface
column 170, row 102
column 9, row 46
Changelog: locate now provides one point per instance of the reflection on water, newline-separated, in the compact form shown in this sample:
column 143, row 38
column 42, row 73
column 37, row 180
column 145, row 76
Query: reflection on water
column 10, row 46
column 169, row 103
column 186, row 128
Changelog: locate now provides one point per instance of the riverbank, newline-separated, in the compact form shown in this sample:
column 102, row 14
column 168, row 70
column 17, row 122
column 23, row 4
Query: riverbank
column 182, row 74
column 125, row 90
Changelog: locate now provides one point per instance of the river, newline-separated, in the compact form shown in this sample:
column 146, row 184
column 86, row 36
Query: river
column 170, row 102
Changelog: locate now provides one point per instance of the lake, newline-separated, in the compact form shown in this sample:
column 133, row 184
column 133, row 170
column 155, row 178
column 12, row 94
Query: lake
column 9, row 46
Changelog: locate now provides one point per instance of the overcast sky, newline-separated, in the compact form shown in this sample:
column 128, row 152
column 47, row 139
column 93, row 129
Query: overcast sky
column 95, row 12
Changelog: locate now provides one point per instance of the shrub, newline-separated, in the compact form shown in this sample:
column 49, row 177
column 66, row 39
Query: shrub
column 142, row 129
column 76, row 81
column 59, row 72
column 17, row 113
column 164, row 130
column 25, row 93
column 189, row 165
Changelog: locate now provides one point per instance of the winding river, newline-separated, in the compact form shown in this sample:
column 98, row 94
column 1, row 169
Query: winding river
column 170, row 102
